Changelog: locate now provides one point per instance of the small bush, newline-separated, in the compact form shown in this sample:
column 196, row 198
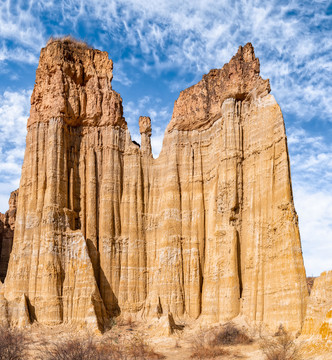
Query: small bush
column 80, row 349
column 281, row 347
column 211, row 343
column 71, row 350
column 13, row 344
column 229, row 334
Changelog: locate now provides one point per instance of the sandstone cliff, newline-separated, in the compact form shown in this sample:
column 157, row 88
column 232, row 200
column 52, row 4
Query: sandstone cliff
column 318, row 321
column 206, row 230
column 7, row 225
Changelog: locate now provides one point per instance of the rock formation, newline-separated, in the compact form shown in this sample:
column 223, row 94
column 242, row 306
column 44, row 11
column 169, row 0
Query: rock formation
column 207, row 230
column 318, row 321
column 7, row 225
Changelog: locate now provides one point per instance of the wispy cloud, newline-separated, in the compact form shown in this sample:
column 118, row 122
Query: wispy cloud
column 20, row 23
column 311, row 168
column 311, row 160
column 14, row 111
column 120, row 76
column 292, row 39
column 17, row 55
column 314, row 209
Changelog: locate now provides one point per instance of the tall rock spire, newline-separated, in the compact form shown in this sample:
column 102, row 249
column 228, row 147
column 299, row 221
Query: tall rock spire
column 7, row 225
column 208, row 230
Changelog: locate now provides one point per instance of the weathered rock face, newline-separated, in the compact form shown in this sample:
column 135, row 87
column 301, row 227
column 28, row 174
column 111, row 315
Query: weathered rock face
column 238, row 80
column 318, row 321
column 7, row 225
column 206, row 230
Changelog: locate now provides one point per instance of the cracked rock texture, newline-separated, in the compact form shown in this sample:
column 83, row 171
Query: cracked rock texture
column 318, row 319
column 207, row 230
column 7, row 225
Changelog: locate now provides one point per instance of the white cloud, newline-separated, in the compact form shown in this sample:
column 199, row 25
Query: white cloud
column 311, row 168
column 196, row 36
column 17, row 54
column 14, row 111
column 157, row 140
column 120, row 76
column 292, row 40
column 311, row 159
column 20, row 23
column 315, row 221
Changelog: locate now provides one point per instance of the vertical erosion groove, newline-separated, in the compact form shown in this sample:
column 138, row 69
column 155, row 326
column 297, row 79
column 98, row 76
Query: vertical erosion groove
column 91, row 211
column 239, row 263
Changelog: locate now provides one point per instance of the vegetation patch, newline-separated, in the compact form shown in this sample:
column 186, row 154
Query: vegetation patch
column 13, row 344
column 106, row 349
column 69, row 41
column 212, row 343
column 229, row 334
column 280, row 347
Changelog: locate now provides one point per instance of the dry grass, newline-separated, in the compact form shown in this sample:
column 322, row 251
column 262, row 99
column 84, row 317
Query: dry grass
column 16, row 345
column 108, row 348
column 138, row 349
column 73, row 350
column 206, row 352
column 13, row 344
column 70, row 41
column 281, row 347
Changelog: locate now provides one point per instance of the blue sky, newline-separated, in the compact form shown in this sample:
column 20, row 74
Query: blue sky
column 161, row 47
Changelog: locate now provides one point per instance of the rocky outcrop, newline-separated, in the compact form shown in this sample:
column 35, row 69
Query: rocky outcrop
column 238, row 80
column 7, row 226
column 208, row 230
column 318, row 321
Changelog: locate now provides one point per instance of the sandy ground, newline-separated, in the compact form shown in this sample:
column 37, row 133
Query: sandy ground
column 178, row 346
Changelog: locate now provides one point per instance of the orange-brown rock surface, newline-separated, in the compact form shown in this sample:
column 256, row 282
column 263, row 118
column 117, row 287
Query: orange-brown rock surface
column 207, row 230
column 318, row 321
column 7, row 225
